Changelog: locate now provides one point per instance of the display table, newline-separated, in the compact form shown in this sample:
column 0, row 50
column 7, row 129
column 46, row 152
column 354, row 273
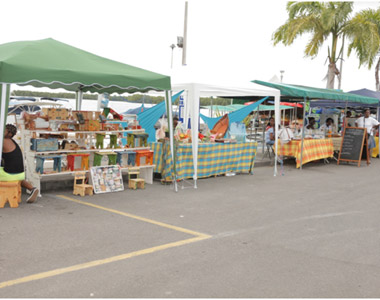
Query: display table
column 213, row 159
column 313, row 149
column 375, row 151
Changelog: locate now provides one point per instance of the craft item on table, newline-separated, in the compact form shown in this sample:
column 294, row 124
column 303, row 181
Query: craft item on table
column 109, row 126
column 41, row 145
column 93, row 125
column 144, row 157
column 107, row 179
column 100, row 140
column 87, row 115
column 134, row 181
column 137, row 140
column 237, row 131
column 84, row 161
column 68, row 127
column 40, row 160
column 80, row 186
column 115, row 115
column 221, row 127
column 126, row 158
column 111, row 158
column 10, row 191
column 102, row 119
column 66, row 145
column 134, row 124
column 113, row 141
column 80, row 118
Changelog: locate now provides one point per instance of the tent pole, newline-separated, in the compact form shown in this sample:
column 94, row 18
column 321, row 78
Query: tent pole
column 78, row 99
column 3, row 112
column 277, row 114
column 169, row 114
column 303, row 129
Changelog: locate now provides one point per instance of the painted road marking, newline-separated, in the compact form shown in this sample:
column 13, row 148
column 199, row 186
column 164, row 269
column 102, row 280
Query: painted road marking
column 198, row 237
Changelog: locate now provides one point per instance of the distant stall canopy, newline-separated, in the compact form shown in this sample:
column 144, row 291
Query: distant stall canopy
column 293, row 92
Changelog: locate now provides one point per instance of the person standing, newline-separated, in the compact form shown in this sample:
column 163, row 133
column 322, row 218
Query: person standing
column 13, row 163
column 371, row 124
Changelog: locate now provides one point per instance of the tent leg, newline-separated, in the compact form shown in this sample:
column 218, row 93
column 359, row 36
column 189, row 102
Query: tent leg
column 303, row 130
column 169, row 114
column 3, row 111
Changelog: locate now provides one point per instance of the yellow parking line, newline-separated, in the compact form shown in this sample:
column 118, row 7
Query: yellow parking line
column 137, row 217
column 95, row 263
column 198, row 237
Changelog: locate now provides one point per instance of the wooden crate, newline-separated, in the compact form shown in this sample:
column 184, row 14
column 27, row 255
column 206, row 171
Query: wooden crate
column 57, row 113
column 41, row 145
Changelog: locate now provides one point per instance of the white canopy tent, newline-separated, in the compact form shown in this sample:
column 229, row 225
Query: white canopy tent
column 192, row 94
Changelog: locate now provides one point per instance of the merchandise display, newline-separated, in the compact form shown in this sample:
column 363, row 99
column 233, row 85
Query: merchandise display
column 79, row 140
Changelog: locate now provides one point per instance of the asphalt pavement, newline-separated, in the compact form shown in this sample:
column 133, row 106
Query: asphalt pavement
column 307, row 233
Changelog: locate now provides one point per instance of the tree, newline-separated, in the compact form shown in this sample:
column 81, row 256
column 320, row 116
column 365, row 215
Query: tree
column 328, row 20
column 367, row 57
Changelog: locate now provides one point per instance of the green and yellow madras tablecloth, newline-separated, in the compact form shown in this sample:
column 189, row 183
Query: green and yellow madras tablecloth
column 213, row 159
column 313, row 149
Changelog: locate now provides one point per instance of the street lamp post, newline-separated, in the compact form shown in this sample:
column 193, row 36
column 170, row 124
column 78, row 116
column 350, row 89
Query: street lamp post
column 282, row 75
column 172, row 46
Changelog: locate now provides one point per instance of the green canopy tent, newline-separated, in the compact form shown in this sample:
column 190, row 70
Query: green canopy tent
column 53, row 64
column 299, row 92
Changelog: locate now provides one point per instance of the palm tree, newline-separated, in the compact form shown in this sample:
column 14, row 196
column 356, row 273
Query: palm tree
column 328, row 20
column 359, row 44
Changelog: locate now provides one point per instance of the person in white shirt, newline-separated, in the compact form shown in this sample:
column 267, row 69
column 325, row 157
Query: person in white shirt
column 370, row 124
column 329, row 126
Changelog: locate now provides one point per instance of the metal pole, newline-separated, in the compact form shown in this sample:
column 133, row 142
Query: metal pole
column 303, row 129
column 184, row 37
column 169, row 114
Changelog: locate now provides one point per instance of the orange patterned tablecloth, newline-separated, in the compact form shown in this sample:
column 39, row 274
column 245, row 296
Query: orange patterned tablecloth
column 313, row 149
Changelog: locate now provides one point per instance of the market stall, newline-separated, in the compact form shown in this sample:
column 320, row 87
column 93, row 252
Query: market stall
column 52, row 64
column 297, row 93
column 192, row 94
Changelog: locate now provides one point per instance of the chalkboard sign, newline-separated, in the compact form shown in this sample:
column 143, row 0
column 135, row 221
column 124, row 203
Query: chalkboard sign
column 352, row 144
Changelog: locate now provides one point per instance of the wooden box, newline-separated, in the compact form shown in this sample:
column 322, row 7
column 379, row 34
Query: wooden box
column 93, row 125
column 56, row 113
column 40, row 145
column 144, row 157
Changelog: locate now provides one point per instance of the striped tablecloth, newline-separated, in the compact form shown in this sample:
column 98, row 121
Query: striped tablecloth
column 313, row 149
column 213, row 159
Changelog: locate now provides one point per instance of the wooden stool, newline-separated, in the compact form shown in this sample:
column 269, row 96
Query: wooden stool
column 81, row 188
column 10, row 191
column 40, row 159
column 84, row 160
column 98, row 156
column 136, row 183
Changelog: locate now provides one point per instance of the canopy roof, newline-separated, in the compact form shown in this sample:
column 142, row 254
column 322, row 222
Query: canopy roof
column 49, row 63
column 301, row 92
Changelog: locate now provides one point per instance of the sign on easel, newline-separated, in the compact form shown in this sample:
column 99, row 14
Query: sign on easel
column 351, row 149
